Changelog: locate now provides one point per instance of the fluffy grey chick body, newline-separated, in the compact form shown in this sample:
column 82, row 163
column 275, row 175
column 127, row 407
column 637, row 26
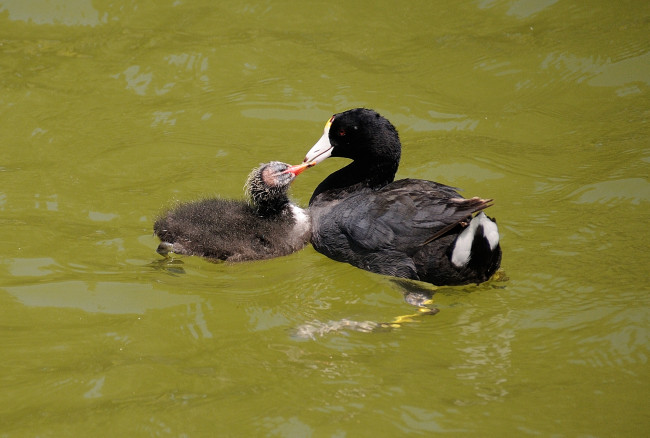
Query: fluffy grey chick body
column 263, row 226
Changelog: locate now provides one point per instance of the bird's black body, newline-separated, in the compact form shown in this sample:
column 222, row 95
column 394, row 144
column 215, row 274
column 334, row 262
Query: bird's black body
column 407, row 228
column 266, row 225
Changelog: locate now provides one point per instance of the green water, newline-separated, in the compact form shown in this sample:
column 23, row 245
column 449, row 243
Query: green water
column 111, row 111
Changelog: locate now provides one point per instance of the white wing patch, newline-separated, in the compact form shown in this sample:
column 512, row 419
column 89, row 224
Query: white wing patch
column 490, row 231
column 463, row 246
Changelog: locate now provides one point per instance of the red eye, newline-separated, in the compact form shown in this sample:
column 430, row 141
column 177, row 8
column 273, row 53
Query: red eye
column 341, row 132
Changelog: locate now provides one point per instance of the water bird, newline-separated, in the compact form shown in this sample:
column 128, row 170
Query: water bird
column 264, row 225
column 410, row 228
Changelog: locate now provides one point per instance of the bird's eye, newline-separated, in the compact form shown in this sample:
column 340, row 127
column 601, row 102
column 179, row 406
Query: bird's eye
column 341, row 132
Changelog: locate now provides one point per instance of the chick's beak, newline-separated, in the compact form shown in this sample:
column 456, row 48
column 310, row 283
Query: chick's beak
column 298, row 169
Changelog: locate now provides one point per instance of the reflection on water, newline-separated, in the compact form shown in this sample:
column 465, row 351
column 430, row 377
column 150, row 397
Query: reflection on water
column 519, row 8
column 624, row 72
column 633, row 190
column 65, row 12
column 99, row 297
column 314, row 329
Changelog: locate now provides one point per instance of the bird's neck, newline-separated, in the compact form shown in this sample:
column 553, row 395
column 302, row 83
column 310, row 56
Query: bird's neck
column 271, row 207
column 266, row 201
column 353, row 178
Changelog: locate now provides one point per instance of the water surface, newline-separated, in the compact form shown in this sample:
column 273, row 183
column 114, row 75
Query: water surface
column 111, row 112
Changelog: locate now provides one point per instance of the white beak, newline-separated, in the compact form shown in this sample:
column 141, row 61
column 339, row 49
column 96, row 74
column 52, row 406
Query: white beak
column 321, row 150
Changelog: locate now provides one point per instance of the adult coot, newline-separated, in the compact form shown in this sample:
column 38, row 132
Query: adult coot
column 409, row 228
column 263, row 226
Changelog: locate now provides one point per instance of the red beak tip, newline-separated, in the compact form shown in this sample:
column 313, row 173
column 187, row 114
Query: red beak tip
column 297, row 170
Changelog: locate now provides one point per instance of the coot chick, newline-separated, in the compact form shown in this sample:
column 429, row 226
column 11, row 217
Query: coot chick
column 410, row 228
column 263, row 226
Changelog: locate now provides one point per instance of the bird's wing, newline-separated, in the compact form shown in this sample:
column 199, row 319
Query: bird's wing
column 404, row 215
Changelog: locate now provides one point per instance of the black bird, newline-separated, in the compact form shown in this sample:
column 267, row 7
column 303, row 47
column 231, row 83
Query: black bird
column 410, row 228
column 263, row 226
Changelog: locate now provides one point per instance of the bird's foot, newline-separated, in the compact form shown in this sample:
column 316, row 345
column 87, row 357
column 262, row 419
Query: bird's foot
column 165, row 248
